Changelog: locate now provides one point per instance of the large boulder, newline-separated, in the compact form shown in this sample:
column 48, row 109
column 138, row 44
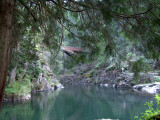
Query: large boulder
column 42, row 84
column 46, row 79
column 149, row 88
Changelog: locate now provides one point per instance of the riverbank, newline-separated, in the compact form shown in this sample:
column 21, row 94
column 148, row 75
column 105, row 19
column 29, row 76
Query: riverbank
column 88, row 74
column 22, row 97
column 31, row 78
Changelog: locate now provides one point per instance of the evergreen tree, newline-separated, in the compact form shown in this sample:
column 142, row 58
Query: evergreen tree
column 95, row 25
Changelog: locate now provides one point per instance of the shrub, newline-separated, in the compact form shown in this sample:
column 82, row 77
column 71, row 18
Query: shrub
column 151, row 113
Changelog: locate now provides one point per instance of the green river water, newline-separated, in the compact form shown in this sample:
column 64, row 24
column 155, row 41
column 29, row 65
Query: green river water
column 77, row 102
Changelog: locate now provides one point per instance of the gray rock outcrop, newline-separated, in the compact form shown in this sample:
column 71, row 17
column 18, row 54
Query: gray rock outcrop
column 149, row 88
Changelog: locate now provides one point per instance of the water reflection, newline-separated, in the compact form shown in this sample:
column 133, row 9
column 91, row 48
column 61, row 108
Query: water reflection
column 78, row 103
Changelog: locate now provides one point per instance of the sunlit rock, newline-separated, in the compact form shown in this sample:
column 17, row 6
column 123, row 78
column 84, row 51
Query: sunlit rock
column 107, row 119
column 149, row 88
column 104, row 85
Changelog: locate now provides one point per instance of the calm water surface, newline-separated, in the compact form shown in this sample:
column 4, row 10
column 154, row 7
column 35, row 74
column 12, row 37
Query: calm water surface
column 78, row 103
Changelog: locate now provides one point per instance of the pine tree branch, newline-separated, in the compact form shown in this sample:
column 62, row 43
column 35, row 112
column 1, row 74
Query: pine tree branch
column 71, row 31
column 155, row 15
column 80, row 4
column 67, row 8
column 17, row 10
column 34, row 17
column 59, row 44
column 146, row 27
column 133, row 15
column 34, row 2
column 47, row 9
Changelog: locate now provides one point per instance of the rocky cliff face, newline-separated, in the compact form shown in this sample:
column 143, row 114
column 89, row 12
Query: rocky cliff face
column 42, row 80
column 46, row 79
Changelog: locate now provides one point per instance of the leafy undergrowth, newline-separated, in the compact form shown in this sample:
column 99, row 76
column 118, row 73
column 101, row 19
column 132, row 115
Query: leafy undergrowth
column 151, row 113
column 19, row 88
column 156, row 117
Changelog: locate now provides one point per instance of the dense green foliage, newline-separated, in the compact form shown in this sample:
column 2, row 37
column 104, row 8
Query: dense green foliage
column 113, row 31
column 120, row 31
column 151, row 113
column 123, row 34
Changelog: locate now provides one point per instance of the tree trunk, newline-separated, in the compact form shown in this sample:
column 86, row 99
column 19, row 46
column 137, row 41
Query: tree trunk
column 12, row 76
column 6, row 18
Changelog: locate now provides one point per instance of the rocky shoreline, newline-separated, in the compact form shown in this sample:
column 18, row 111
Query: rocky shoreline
column 26, row 97
column 39, row 85
column 17, row 98
column 148, row 88
column 147, row 82
column 87, row 74
column 45, row 81
column 151, row 88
